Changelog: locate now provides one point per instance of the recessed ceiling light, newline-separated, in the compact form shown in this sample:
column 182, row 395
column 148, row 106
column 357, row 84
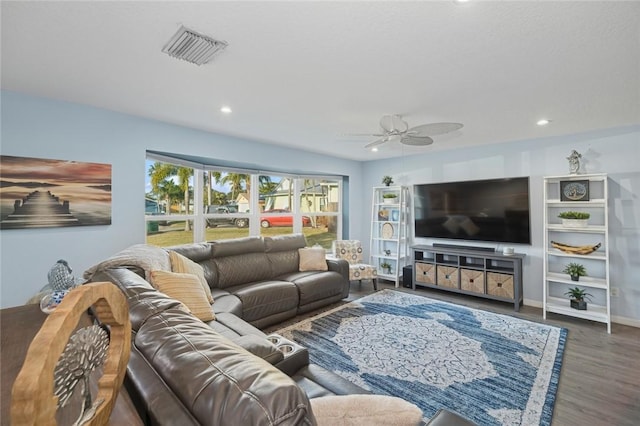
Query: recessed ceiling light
column 374, row 149
column 543, row 122
column 225, row 110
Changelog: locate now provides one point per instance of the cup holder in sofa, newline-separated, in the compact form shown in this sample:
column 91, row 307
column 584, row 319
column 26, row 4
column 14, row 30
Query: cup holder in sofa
column 275, row 339
column 286, row 349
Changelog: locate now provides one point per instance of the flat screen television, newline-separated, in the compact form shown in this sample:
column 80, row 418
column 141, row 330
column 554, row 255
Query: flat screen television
column 493, row 210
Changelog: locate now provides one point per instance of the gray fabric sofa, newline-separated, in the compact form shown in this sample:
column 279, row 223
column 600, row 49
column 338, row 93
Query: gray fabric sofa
column 258, row 280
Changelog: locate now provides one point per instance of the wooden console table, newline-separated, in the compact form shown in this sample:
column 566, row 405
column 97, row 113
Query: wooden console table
column 485, row 274
column 18, row 327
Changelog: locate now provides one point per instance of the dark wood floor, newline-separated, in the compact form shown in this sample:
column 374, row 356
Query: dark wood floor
column 600, row 377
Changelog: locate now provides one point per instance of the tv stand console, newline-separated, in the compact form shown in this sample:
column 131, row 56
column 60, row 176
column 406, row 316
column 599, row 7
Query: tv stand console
column 490, row 275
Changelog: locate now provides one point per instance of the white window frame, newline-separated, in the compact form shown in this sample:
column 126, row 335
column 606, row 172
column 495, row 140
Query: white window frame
column 198, row 218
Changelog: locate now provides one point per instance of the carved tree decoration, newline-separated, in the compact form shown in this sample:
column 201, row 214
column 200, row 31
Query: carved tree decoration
column 86, row 351
column 35, row 397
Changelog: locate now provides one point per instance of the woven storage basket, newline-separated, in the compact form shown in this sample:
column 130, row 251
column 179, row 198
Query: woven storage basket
column 500, row 285
column 472, row 280
column 447, row 276
column 425, row 273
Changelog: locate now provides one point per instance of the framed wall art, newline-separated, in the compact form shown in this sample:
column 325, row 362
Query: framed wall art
column 574, row 190
column 42, row 193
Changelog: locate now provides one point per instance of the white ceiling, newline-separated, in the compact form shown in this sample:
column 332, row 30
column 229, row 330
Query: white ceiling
column 304, row 74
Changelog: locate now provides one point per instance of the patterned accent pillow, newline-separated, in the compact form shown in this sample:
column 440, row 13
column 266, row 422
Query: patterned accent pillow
column 312, row 259
column 187, row 289
column 184, row 265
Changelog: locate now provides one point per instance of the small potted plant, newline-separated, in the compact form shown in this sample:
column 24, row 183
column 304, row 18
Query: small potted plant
column 575, row 271
column 578, row 296
column 389, row 198
column 386, row 267
column 574, row 219
column 387, row 180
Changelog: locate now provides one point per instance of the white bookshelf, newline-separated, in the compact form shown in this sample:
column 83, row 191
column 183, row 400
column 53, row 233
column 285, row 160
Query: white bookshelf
column 556, row 283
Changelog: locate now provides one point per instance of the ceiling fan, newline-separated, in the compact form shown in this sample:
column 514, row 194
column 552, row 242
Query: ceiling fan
column 395, row 128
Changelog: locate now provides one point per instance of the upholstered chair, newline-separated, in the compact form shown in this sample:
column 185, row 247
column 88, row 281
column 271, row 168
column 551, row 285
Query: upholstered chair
column 351, row 251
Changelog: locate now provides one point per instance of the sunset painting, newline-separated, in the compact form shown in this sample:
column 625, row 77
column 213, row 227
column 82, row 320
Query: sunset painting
column 39, row 193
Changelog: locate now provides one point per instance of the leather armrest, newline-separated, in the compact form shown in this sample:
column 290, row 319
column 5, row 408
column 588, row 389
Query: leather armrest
column 260, row 347
column 339, row 265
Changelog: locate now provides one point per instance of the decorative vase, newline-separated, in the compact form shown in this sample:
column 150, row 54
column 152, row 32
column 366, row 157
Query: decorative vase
column 395, row 215
column 574, row 223
column 580, row 305
column 50, row 301
column 575, row 277
column 389, row 200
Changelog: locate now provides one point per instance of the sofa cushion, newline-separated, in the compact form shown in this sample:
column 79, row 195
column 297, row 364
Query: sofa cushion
column 241, row 269
column 282, row 252
column 221, row 383
column 182, row 264
column 186, row 288
column 365, row 410
column 315, row 286
column 312, row 259
column 265, row 298
column 226, row 302
column 144, row 300
column 201, row 253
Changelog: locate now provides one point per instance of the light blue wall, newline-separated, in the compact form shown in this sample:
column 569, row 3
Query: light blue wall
column 42, row 128
column 36, row 127
column 614, row 151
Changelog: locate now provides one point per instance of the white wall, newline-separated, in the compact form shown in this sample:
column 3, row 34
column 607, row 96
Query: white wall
column 613, row 151
column 41, row 128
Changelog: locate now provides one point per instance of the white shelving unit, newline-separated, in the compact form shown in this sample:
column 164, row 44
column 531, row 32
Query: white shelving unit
column 556, row 283
column 389, row 229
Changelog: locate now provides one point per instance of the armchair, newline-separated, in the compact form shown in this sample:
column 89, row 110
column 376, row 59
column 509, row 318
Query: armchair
column 351, row 251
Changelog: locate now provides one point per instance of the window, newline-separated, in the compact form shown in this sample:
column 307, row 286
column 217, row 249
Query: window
column 236, row 203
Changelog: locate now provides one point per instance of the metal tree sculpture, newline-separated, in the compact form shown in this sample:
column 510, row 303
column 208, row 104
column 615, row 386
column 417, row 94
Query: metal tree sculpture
column 86, row 350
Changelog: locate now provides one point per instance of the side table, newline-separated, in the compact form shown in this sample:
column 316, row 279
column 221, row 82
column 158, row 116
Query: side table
column 18, row 327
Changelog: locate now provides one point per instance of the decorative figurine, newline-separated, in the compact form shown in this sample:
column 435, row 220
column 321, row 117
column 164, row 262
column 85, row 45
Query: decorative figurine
column 61, row 281
column 574, row 162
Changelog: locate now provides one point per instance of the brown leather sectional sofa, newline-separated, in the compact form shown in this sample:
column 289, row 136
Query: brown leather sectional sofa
column 183, row 371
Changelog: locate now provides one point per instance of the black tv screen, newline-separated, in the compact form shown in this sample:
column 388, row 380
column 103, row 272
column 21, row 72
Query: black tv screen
column 495, row 210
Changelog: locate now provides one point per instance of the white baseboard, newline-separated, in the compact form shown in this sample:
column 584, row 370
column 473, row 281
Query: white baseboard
column 632, row 322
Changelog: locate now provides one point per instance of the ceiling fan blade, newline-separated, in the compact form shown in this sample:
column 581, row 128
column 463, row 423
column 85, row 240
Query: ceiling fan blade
column 393, row 124
column 377, row 142
column 362, row 134
column 416, row 140
column 434, row 129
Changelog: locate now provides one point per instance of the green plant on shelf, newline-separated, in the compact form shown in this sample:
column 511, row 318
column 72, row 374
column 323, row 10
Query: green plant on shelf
column 386, row 267
column 578, row 294
column 574, row 215
column 389, row 195
column 575, row 271
column 387, row 180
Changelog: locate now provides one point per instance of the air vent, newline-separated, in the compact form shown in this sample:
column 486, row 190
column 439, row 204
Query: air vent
column 192, row 47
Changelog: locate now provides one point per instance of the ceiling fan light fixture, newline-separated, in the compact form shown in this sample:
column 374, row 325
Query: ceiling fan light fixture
column 416, row 141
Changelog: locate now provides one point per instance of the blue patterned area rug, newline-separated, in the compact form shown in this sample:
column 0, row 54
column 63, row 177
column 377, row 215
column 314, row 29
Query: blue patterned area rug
column 492, row 369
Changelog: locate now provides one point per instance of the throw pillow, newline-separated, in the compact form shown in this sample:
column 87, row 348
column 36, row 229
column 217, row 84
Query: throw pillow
column 312, row 259
column 369, row 410
column 185, row 288
column 184, row 265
